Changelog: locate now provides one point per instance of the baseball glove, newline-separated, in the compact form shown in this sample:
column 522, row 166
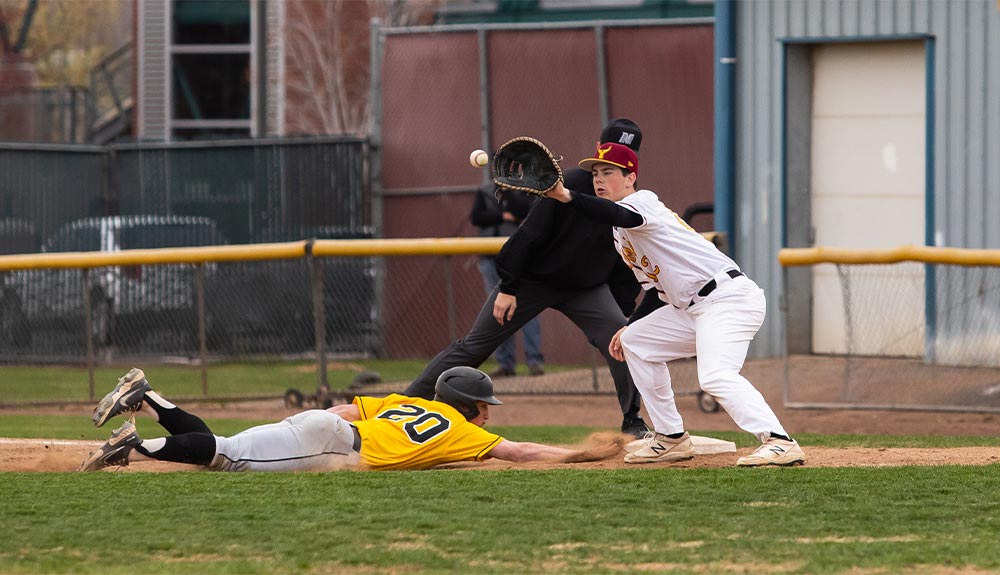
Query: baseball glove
column 525, row 164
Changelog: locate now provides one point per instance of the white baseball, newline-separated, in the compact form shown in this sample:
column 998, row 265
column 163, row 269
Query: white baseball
column 479, row 158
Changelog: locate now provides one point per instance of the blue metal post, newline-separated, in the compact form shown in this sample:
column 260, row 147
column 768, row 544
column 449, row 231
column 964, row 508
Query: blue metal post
column 725, row 119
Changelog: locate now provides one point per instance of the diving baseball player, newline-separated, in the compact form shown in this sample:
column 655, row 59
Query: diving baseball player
column 394, row 432
column 697, row 303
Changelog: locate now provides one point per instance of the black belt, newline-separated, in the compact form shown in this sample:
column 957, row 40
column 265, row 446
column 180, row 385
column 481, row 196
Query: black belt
column 357, row 440
column 712, row 284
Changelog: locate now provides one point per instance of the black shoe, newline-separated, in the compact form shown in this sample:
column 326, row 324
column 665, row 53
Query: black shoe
column 535, row 370
column 502, row 372
column 126, row 397
column 115, row 451
column 634, row 426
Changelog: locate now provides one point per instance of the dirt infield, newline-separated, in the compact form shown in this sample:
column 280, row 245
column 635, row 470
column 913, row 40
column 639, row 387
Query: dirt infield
column 602, row 411
column 65, row 456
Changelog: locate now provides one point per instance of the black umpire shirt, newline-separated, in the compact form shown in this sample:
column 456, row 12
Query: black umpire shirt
column 558, row 246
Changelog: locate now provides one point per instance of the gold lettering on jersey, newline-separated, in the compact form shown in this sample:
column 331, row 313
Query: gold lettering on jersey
column 653, row 274
column 641, row 264
column 628, row 253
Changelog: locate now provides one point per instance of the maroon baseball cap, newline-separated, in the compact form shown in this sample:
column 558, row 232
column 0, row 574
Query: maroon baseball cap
column 614, row 154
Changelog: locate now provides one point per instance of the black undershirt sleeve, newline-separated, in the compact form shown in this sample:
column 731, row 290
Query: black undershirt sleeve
column 605, row 211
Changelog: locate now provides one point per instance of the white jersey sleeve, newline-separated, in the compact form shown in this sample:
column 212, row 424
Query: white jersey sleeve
column 665, row 253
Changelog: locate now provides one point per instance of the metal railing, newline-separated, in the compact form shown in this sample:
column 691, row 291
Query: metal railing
column 111, row 100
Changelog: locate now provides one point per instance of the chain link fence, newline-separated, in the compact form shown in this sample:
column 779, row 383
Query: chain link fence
column 313, row 309
column 908, row 335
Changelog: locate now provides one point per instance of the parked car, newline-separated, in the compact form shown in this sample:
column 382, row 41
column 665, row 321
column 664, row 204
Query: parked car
column 17, row 236
column 127, row 302
column 267, row 307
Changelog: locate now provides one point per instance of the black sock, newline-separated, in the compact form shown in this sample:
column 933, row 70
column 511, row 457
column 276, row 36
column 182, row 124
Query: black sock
column 175, row 420
column 780, row 436
column 676, row 435
column 195, row 448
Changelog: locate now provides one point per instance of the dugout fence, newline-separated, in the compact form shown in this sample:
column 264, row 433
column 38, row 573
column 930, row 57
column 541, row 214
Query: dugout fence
column 907, row 328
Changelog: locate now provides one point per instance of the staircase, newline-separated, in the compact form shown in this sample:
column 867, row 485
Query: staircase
column 109, row 110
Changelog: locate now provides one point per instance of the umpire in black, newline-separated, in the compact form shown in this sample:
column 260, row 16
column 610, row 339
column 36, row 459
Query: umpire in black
column 562, row 260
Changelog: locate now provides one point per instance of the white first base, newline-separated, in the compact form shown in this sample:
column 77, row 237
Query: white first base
column 709, row 445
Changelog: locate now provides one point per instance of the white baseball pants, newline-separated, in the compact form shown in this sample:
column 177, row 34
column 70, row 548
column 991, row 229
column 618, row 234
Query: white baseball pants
column 718, row 330
column 314, row 440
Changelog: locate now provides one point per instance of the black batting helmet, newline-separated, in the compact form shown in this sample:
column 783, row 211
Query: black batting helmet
column 461, row 387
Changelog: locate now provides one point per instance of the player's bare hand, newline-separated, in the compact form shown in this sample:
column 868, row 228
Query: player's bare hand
column 615, row 348
column 503, row 307
column 609, row 449
column 559, row 193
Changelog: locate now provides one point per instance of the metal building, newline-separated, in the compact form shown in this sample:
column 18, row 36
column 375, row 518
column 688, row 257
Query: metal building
column 859, row 124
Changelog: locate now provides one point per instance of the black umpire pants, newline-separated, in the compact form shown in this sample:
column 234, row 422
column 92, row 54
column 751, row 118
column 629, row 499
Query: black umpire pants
column 594, row 311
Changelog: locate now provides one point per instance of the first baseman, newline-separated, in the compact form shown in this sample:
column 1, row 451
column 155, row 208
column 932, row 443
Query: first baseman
column 394, row 432
column 698, row 303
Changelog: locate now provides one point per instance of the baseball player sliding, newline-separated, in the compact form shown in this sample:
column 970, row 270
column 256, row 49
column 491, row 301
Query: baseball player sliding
column 697, row 303
column 394, row 432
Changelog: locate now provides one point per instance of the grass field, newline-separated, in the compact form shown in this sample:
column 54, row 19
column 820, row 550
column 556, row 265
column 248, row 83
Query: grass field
column 70, row 383
column 859, row 520
column 854, row 521
column 938, row 520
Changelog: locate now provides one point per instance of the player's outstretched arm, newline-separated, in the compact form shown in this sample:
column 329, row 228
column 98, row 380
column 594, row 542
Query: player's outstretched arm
column 523, row 452
column 604, row 210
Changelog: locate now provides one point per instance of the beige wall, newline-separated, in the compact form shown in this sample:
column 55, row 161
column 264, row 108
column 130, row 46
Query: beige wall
column 868, row 188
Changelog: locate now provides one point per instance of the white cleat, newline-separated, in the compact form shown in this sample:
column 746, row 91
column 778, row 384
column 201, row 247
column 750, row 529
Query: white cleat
column 774, row 451
column 658, row 448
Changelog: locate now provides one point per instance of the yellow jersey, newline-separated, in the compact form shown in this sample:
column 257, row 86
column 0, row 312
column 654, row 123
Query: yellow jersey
column 400, row 432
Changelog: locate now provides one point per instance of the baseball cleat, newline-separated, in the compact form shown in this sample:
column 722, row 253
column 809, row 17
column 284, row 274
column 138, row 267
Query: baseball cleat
column 126, row 396
column 774, row 451
column 115, row 451
column 635, row 426
column 633, row 446
column 658, row 448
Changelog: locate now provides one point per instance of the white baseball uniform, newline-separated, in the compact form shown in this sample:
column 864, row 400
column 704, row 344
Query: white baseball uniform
column 670, row 257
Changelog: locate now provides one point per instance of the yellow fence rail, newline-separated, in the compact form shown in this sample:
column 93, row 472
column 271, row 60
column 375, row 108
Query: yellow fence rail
column 254, row 252
column 791, row 257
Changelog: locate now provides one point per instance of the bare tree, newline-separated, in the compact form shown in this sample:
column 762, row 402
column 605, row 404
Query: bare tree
column 328, row 71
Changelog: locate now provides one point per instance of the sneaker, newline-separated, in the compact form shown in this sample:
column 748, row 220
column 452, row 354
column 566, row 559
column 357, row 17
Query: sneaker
column 115, row 451
column 774, row 451
column 635, row 426
column 660, row 448
column 126, row 396
column 633, row 446
column 502, row 372
column 535, row 370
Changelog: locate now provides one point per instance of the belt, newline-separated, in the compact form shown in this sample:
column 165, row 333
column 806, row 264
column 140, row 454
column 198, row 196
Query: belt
column 712, row 284
column 357, row 440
